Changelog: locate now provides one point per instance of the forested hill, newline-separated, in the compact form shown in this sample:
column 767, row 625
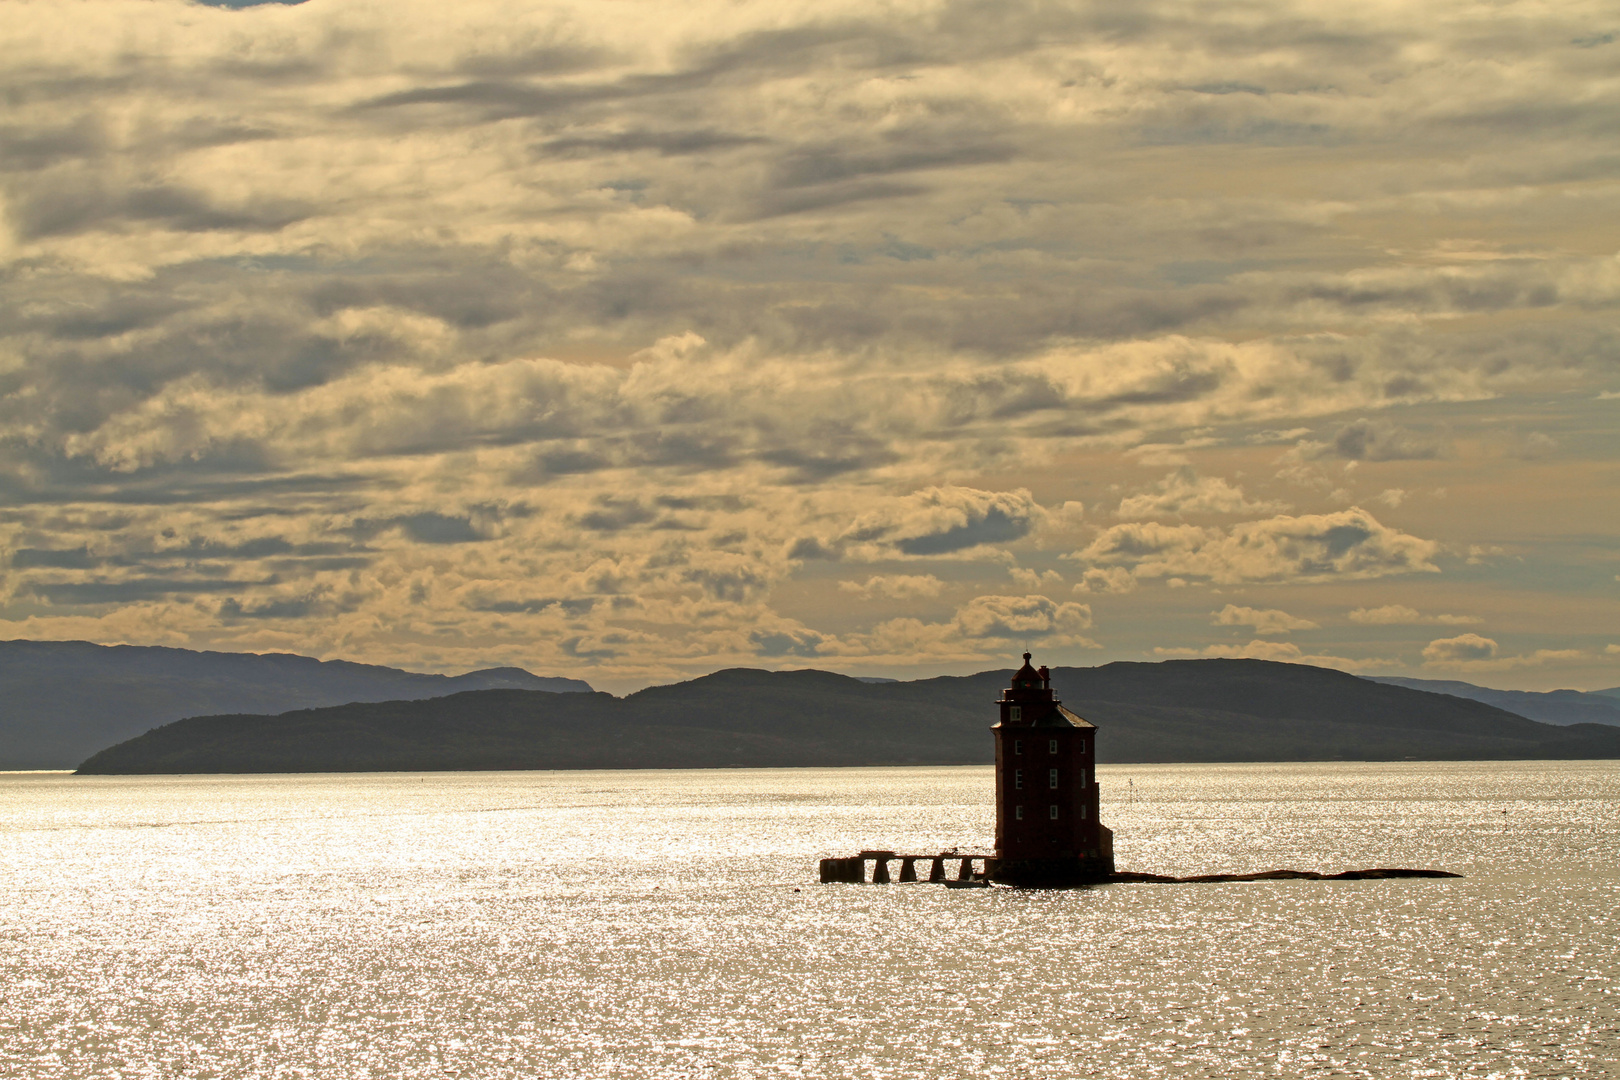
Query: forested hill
column 1180, row 710
column 64, row 700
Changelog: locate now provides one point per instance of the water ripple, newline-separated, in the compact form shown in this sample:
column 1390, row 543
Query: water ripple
column 662, row 925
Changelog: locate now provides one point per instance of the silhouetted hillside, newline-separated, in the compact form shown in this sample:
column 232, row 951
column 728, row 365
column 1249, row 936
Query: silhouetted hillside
column 1551, row 707
column 64, row 700
column 1182, row 710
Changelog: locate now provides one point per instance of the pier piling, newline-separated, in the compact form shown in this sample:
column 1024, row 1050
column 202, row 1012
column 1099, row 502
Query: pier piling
column 852, row 870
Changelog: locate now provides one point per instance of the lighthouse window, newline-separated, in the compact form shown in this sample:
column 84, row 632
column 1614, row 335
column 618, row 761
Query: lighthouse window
column 1051, row 747
column 1018, row 746
column 1015, row 713
column 1082, row 813
column 1018, row 778
column 1018, row 813
column 1051, row 812
column 1051, row 778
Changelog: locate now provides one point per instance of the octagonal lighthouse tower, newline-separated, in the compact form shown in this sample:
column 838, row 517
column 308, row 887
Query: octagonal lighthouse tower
column 1047, row 832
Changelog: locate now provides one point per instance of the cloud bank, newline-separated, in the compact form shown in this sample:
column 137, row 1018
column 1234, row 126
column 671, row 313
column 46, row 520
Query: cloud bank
column 616, row 338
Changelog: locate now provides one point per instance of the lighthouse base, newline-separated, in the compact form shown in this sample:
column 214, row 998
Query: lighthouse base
column 1049, row 873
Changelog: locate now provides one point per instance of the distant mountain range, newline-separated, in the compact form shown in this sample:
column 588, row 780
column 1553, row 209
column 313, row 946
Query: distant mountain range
column 61, row 701
column 1553, row 707
column 1182, row 710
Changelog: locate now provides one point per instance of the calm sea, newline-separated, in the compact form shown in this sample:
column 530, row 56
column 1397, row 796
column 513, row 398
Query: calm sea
column 668, row 924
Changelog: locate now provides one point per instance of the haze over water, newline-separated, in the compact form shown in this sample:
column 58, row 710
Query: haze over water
column 667, row 924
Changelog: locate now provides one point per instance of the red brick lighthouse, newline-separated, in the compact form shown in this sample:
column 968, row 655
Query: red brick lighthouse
column 1047, row 832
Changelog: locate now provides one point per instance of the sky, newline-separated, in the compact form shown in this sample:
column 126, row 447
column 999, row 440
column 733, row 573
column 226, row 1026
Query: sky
column 630, row 341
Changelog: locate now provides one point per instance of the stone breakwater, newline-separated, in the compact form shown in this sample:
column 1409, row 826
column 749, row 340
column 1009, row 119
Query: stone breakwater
column 1376, row 874
column 982, row 869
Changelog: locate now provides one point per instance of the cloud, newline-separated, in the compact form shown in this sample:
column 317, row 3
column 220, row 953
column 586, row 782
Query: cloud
column 984, row 627
column 318, row 602
column 1372, row 440
column 432, row 527
column 598, row 335
column 810, row 547
column 615, row 514
column 78, row 558
column 1481, row 554
column 777, row 643
column 1260, row 438
column 1349, row 544
column 1369, row 440
column 1112, row 579
column 946, row 520
column 1537, row 445
column 1184, row 492
column 1465, row 647
column 1470, row 652
column 1167, row 453
column 894, row 587
column 1264, row 622
column 663, row 143
column 1065, row 518
column 1021, row 617
column 1034, row 580
column 80, row 593
column 1401, row 615
column 735, row 578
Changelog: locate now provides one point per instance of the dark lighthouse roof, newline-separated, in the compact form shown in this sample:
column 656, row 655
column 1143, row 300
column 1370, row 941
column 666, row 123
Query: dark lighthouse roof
column 1027, row 678
column 1031, row 689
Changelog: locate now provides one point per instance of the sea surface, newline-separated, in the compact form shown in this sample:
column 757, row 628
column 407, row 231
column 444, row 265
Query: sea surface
column 669, row 924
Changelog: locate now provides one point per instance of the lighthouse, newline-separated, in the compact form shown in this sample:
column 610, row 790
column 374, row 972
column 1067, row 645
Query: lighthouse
column 1047, row 832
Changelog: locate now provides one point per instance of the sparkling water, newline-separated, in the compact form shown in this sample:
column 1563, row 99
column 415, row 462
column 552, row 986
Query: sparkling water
column 668, row 924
